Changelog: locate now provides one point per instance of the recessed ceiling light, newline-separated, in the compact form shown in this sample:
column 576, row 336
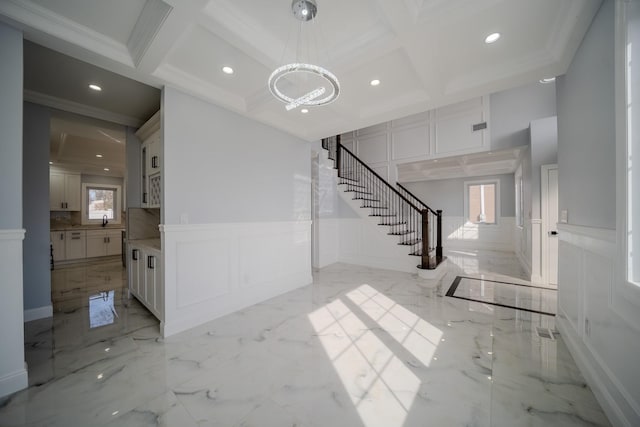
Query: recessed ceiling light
column 548, row 80
column 99, row 156
column 374, row 82
column 106, row 169
column 95, row 87
column 304, row 111
column 50, row 163
column 492, row 38
column 435, row 161
column 227, row 70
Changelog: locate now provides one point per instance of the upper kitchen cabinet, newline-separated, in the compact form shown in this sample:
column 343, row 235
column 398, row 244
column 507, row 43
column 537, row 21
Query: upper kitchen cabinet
column 151, row 156
column 64, row 191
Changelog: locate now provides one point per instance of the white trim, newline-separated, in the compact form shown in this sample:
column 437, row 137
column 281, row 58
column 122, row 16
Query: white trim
column 14, row 381
column 57, row 26
column 77, row 108
column 149, row 127
column 38, row 313
column 544, row 210
column 17, row 234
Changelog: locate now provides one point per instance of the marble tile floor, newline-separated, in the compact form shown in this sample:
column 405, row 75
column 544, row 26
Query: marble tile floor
column 507, row 294
column 359, row 347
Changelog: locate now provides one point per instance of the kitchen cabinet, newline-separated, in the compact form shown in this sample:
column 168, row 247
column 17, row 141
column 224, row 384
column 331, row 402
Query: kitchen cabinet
column 145, row 277
column 151, row 161
column 58, row 243
column 75, row 244
column 104, row 243
column 64, row 191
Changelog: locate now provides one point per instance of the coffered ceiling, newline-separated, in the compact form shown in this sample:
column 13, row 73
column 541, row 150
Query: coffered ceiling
column 426, row 53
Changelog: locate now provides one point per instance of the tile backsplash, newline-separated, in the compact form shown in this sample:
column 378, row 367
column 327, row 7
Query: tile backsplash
column 143, row 223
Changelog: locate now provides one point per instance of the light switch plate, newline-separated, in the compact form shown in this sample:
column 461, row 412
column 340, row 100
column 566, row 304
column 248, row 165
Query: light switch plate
column 564, row 216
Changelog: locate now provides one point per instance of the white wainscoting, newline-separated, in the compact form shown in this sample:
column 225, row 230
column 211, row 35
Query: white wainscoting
column 328, row 241
column 13, row 374
column 536, row 251
column 457, row 234
column 604, row 344
column 215, row 269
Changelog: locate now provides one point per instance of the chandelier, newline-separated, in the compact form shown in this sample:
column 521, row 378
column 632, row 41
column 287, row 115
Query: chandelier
column 290, row 82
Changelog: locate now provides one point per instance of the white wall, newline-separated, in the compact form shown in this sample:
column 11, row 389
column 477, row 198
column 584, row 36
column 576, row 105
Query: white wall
column 36, row 268
column 13, row 375
column 237, row 199
column 598, row 312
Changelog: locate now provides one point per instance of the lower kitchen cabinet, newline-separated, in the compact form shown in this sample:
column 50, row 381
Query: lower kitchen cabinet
column 57, row 243
column 75, row 245
column 104, row 243
column 145, row 277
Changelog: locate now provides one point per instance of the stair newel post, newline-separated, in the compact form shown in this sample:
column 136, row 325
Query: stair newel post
column 338, row 154
column 439, row 235
column 424, row 263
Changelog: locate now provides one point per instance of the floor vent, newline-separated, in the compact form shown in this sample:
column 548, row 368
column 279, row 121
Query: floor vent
column 545, row 333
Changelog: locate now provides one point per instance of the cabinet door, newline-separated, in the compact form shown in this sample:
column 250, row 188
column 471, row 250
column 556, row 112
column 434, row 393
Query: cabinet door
column 96, row 244
column 114, row 243
column 134, row 265
column 56, row 191
column 145, row 171
column 72, row 189
column 151, row 282
column 154, row 154
column 58, row 242
column 75, row 245
column 142, row 274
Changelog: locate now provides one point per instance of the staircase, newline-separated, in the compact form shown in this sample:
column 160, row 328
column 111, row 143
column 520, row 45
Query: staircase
column 416, row 225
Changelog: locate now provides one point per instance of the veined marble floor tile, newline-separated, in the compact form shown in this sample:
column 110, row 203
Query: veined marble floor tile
column 359, row 347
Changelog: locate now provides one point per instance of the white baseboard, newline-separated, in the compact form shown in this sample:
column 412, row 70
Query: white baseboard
column 15, row 381
column 38, row 313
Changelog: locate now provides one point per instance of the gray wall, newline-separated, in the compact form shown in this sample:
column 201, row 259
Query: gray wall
column 512, row 110
column 544, row 151
column 11, row 125
column 133, row 179
column 586, row 128
column 448, row 194
column 36, row 275
column 222, row 167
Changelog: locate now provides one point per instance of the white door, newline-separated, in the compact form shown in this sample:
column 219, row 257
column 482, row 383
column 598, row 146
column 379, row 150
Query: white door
column 550, row 220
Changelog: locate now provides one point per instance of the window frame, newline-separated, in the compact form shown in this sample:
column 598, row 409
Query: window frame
column 117, row 200
column 467, row 184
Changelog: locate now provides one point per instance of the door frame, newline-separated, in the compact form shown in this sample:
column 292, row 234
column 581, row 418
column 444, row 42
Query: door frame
column 544, row 210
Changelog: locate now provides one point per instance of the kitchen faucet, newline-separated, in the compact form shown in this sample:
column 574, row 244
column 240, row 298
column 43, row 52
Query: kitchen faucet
column 105, row 221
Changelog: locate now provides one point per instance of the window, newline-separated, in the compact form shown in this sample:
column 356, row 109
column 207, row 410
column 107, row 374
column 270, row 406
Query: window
column 481, row 202
column 633, row 142
column 98, row 201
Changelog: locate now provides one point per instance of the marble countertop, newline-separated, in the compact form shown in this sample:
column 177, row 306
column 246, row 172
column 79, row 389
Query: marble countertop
column 67, row 227
column 148, row 243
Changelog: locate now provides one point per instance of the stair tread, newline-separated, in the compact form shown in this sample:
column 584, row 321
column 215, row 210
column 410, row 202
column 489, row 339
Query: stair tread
column 401, row 233
column 375, row 207
column 358, row 191
column 410, row 242
column 389, row 215
column 394, row 223
column 351, row 185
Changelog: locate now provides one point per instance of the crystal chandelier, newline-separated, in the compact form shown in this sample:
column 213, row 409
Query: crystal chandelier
column 305, row 11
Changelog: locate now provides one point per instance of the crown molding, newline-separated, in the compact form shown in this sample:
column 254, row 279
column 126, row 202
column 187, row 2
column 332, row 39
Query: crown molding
column 52, row 24
column 82, row 109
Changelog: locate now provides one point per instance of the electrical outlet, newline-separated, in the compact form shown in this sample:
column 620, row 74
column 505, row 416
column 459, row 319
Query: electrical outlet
column 564, row 216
